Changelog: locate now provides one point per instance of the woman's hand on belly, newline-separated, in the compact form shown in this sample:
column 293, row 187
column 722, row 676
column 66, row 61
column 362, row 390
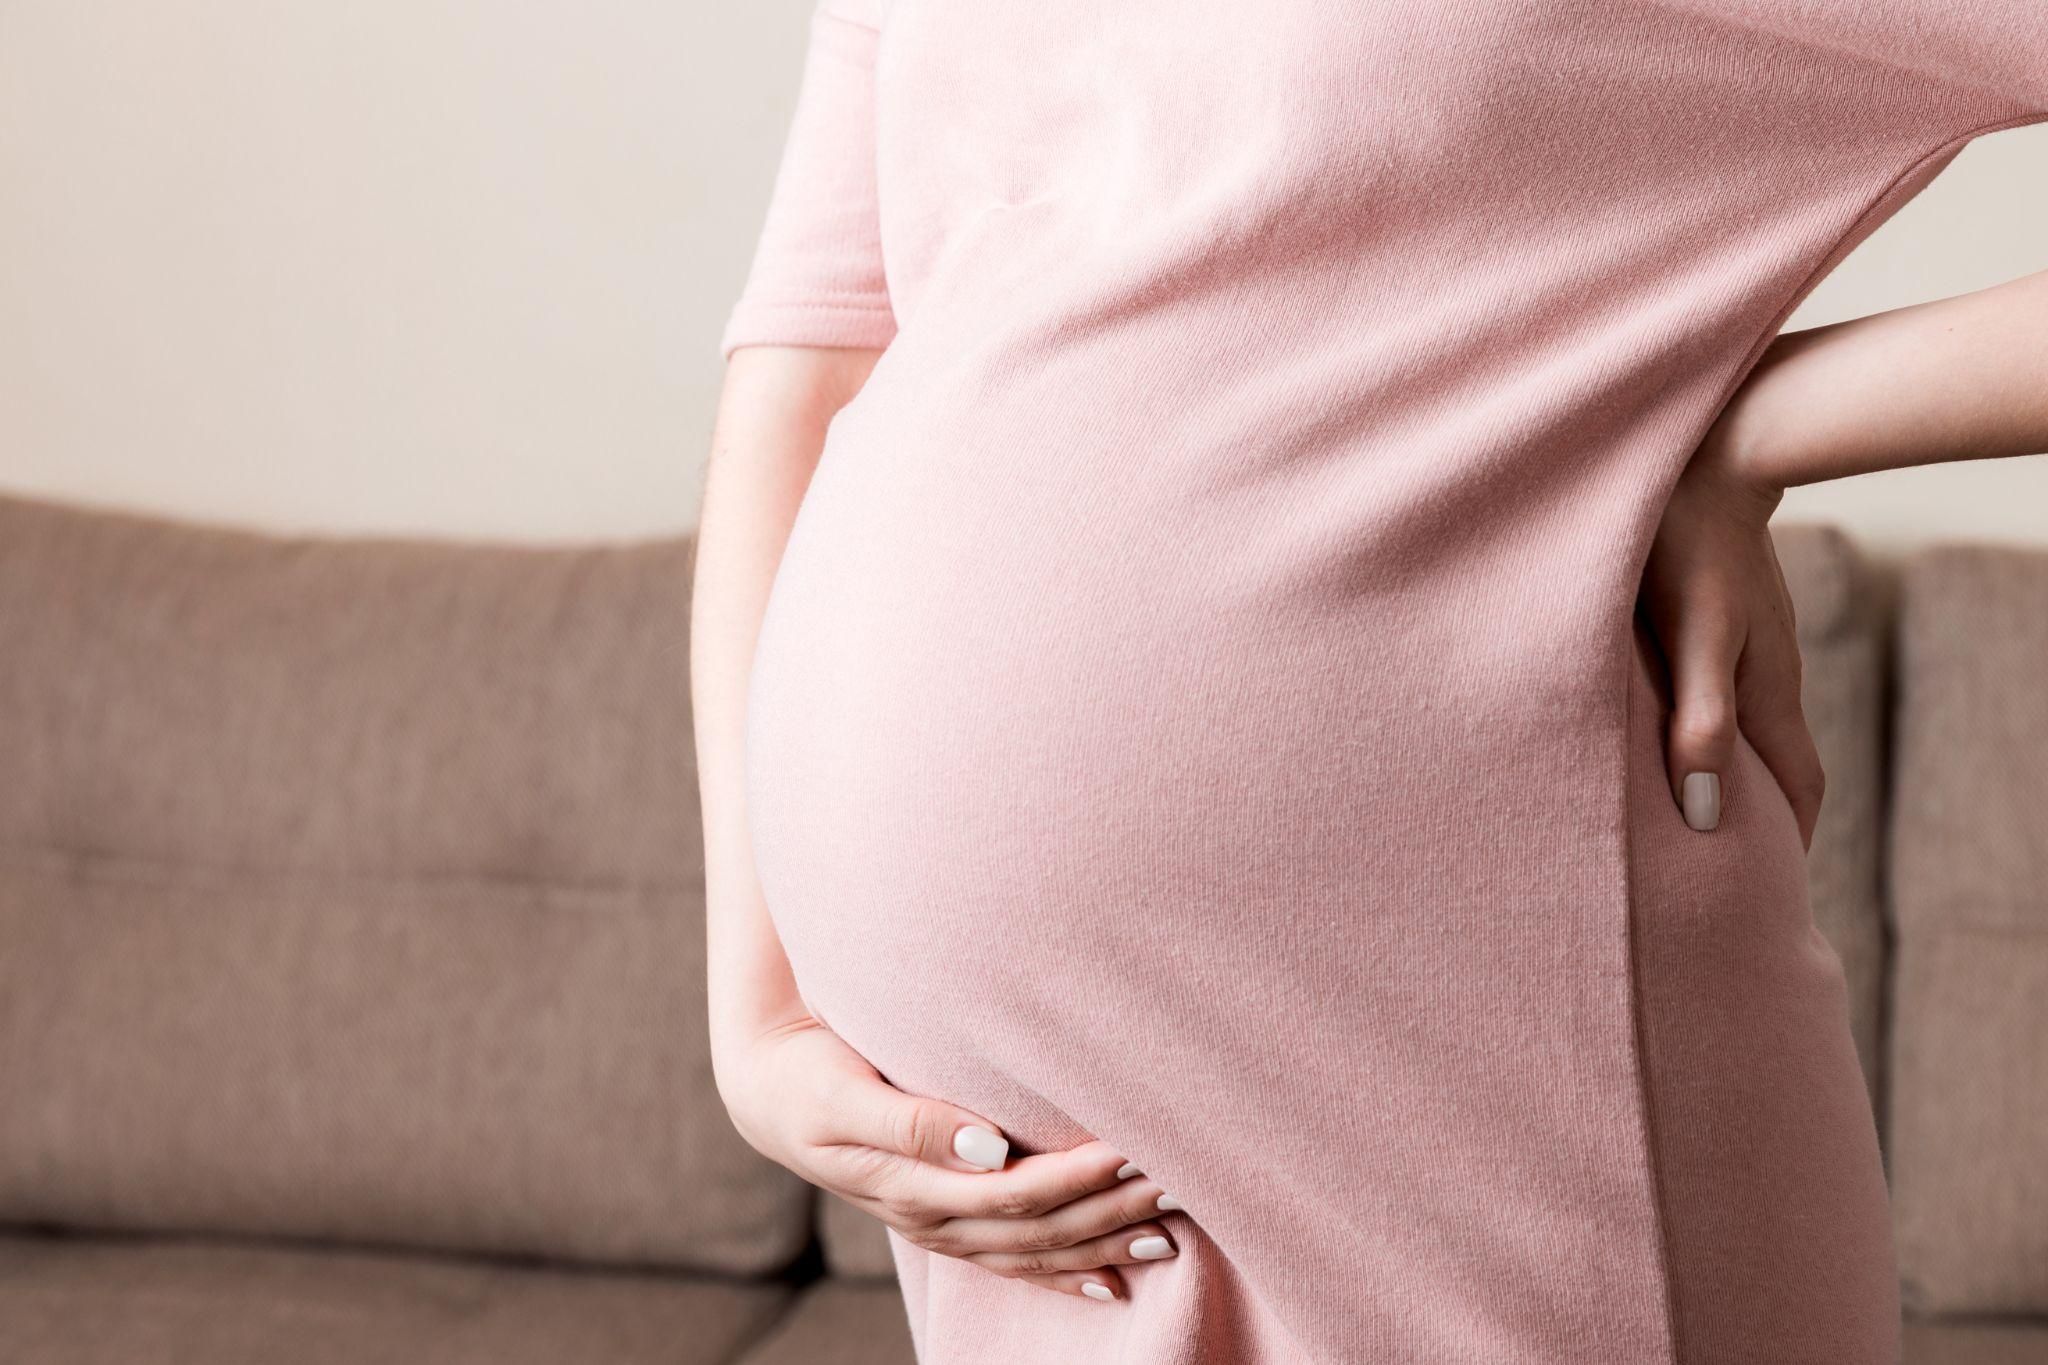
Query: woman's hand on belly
column 939, row 1175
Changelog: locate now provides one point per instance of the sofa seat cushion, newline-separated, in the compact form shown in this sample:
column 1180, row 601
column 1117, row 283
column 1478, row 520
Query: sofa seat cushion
column 858, row 1322
column 2015, row 1342
column 104, row 1301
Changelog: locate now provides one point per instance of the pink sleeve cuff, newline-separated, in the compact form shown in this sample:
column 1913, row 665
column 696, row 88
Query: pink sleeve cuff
column 762, row 322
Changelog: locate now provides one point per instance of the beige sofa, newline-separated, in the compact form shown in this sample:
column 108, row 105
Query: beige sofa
column 350, row 945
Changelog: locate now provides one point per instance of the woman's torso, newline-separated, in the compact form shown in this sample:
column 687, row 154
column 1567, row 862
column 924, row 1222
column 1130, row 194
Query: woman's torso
column 1193, row 705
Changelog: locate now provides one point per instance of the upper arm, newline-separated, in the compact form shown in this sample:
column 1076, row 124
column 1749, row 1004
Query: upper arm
column 817, row 277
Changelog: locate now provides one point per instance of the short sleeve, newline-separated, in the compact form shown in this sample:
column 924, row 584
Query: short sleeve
column 816, row 278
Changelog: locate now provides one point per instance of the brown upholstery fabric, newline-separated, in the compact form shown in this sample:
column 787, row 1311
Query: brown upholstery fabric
column 845, row 1323
column 120, row 1303
column 1843, row 642
column 355, row 890
column 855, row 1244
column 1969, row 1081
column 1976, row 1343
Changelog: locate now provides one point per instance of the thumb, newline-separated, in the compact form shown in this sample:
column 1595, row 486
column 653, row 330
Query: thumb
column 928, row 1130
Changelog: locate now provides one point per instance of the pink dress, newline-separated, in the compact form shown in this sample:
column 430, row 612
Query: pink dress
column 1200, row 706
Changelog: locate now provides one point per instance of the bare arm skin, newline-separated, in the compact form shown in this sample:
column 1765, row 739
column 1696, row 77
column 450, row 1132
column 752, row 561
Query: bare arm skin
column 771, row 425
column 1963, row 378
column 801, row 1096
column 1960, row 378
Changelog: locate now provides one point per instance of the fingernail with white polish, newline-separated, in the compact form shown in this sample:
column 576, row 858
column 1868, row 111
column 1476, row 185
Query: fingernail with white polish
column 1151, row 1248
column 1701, row 800
column 1127, row 1170
column 1167, row 1203
column 979, row 1147
column 1097, row 1291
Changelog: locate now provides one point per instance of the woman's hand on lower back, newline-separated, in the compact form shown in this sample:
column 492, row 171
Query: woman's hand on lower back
column 1717, row 603
column 938, row 1174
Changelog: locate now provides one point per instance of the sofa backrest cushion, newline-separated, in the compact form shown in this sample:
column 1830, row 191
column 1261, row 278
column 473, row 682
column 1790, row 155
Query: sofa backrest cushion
column 1969, row 893
column 353, row 889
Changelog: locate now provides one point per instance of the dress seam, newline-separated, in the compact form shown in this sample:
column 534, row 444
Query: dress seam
column 1653, row 1166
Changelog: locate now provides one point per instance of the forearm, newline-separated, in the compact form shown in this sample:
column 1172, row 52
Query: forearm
column 771, row 425
column 1955, row 379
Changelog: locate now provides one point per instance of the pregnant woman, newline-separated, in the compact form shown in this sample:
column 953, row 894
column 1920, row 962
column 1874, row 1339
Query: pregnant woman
column 1263, row 817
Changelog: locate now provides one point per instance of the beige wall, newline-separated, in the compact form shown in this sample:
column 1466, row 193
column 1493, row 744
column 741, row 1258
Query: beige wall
column 460, row 267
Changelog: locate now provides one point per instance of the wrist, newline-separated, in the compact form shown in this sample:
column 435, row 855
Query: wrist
column 750, row 989
column 1730, row 476
column 1777, row 429
column 737, row 1034
column 1742, row 458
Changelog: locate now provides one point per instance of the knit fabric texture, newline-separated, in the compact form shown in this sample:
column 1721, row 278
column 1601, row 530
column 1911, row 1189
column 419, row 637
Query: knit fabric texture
column 1201, row 704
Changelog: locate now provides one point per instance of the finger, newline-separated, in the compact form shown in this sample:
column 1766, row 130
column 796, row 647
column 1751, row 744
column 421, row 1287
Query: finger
column 1132, row 1201
column 873, row 1113
column 1144, row 1242
column 1776, row 727
column 1103, row 1286
column 1027, row 1188
column 1701, row 736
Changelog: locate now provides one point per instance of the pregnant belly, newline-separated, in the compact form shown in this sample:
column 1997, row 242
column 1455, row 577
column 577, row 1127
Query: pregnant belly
column 982, row 811
column 1036, row 786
